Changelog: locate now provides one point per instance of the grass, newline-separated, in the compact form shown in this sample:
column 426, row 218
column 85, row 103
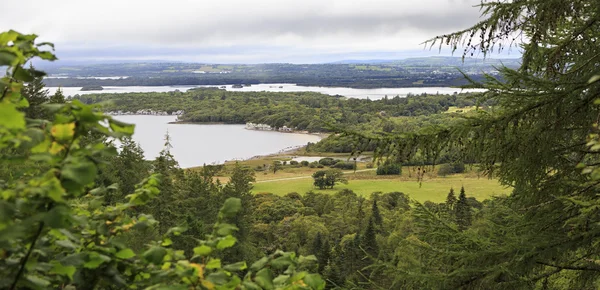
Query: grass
column 455, row 109
column 434, row 189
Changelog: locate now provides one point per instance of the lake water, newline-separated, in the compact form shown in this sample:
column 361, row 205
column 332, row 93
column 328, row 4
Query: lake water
column 373, row 94
column 195, row 145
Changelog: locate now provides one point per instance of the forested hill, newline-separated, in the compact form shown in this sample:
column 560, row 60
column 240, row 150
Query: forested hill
column 301, row 111
column 421, row 72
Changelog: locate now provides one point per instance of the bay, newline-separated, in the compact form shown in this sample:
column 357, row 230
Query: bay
column 198, row 144
column 373, row 94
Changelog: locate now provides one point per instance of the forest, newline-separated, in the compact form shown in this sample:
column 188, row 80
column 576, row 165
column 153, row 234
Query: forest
column 76, row 212
column 302, row 111
column 404, row 73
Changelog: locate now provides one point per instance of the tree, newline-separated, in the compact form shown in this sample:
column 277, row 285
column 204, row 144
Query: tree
column 534, row 138
column 463, row 211
column 57, row 98
column 369, row 240
column 55, row 231
column 451, row 199
column 36, row 94
column 276, row 166
column 328, row 178
column 375, row 215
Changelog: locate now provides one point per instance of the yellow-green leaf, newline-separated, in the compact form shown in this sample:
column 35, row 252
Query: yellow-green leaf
column 10, row 117
column 63, row 132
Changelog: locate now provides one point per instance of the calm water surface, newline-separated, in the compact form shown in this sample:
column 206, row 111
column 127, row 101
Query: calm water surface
column 195, row 145
column 373, row 94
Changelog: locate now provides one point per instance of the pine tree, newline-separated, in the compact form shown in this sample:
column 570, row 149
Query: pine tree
column 58, row 97
column 369, row 240
column 375, row 214
column 463, row 211
column 451, row 200
column 36, row 94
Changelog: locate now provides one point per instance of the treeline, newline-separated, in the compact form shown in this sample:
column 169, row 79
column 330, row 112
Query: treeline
column 332, row 75
column 309, row 111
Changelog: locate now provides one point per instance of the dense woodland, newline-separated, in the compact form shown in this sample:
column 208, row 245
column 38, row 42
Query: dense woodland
column 308, row 111
column 409, row 73
column 75, row 213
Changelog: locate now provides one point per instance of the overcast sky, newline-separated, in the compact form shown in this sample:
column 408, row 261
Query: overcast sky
column 240, row 31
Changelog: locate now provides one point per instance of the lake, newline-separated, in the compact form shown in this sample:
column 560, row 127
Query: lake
column 373, row 94
column 195, row 145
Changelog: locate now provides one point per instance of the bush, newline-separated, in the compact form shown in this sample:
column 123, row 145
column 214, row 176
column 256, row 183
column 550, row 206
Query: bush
column 313, row 165
column 327, row 161
column 451, row 168
column 293, row 162
column 304, row 163
column 320, row 166
column 345, row 165
column 389, row 169
column 369, row 165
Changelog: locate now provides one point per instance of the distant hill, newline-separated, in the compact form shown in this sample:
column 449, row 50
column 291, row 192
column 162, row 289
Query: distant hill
column 438, row 61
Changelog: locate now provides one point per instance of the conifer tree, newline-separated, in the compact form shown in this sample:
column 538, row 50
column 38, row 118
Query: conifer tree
column 463, row 211
column 369, row 239
column 58, row 97
column 36, row 94
column 375, row 214
column 451, row 200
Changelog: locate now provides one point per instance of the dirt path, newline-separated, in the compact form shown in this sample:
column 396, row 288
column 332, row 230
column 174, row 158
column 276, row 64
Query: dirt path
column 309, row 176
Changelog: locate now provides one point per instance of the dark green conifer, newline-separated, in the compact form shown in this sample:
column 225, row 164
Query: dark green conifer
column 375, row 214
column 463, row 211
column 451, row 199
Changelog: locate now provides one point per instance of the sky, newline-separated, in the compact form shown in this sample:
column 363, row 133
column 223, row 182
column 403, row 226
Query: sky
column 240, row 31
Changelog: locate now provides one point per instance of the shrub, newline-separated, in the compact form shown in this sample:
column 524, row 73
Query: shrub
column 293, row 162
column 389, row 169
column 304, row 163
column 327, row 161
column 451, row 168
column 369, row 165
column 320, row 166
column 345, row 165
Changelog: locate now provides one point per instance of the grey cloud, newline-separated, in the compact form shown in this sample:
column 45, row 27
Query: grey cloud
column 320, row 26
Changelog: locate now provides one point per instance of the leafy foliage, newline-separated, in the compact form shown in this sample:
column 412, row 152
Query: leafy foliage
column 55, row 228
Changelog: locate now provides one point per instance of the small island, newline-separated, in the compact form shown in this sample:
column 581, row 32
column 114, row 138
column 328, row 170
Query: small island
column 92, row 88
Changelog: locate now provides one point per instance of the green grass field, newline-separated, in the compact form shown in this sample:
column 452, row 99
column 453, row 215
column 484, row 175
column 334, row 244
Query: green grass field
column 433, row 189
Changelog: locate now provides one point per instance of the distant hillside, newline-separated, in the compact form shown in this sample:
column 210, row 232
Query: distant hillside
column 438, row 61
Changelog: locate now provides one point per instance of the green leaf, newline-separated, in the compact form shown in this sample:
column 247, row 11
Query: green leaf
column 10, row 117
column 63, row 132
column 22, row 75
column 125, row 254
column 226, row 242
column 59, row 269
column 231, row 207
column 264, row 279
column 594, row 79
column 46, row 54
column 314, row 281
column 155, row 255
column 239, row 266
column 259, row 264
column 202, row 250
column 281, row 262
column 37, row 281
column 7, row 57
column 121, row 127
column 281, row 279
column 167, row 242
column 251, row 285
column 213, row 264
column 226, row 229
column 66, row 244
column 95, row 260
column 82, row 173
